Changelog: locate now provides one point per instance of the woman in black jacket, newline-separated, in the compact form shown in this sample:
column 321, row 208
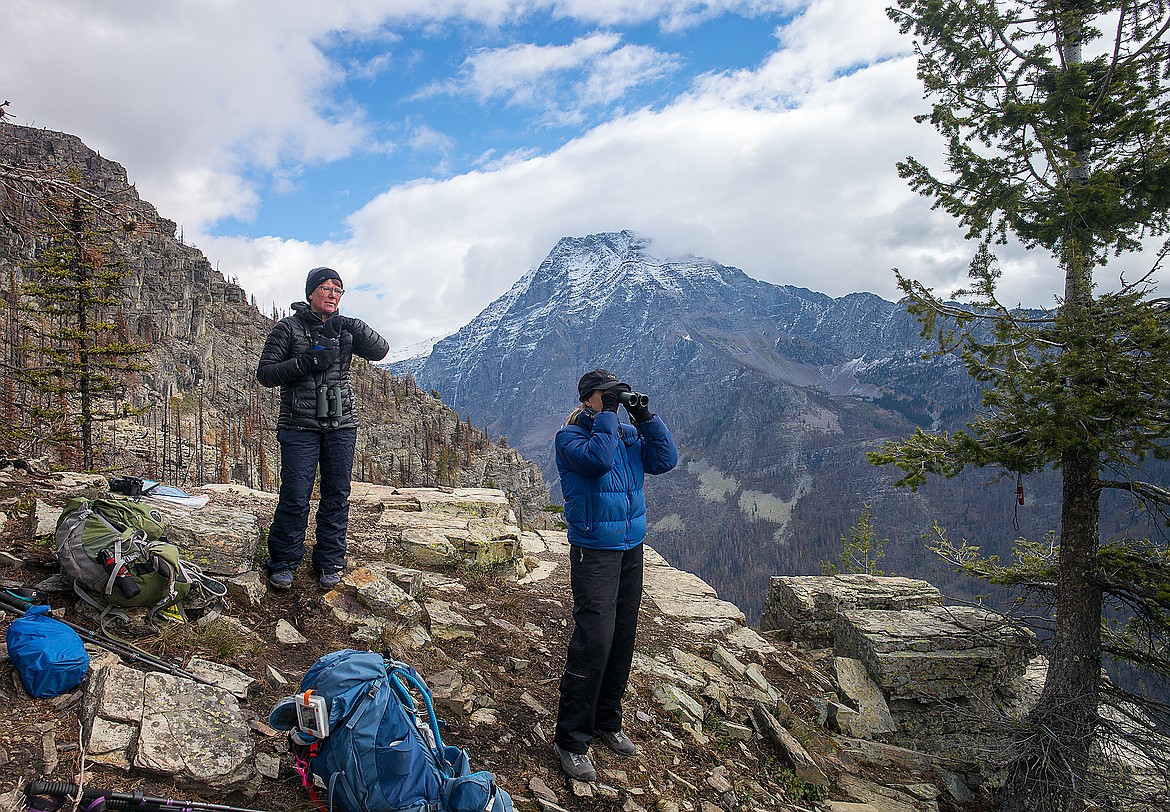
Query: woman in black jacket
column 307, row 355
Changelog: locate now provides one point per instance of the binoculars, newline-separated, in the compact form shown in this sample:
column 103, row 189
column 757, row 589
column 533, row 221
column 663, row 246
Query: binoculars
column 329, row 404
column 633, row 399
column 128, row 485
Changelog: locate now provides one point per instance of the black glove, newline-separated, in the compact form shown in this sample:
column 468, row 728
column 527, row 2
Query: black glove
column 317, row 359
column 609, row 398
column 336, row 324
column 639, row 413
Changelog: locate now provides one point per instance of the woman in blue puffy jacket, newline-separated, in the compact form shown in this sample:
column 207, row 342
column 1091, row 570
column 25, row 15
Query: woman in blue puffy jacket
column 602, row 465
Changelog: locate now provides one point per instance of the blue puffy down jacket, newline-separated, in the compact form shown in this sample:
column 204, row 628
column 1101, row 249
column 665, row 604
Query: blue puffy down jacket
column 602, row 464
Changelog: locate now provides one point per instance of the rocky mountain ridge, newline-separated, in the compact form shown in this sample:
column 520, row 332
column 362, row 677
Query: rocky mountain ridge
column 774, row 395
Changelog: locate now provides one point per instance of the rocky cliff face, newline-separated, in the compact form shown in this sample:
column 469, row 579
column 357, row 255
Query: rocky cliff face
column 204, row 417
column 773, row 393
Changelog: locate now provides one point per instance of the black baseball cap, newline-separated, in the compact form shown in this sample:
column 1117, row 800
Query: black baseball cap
column 597, row 380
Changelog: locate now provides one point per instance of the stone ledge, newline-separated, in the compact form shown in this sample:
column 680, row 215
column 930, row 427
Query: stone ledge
column 805, row 607
column 936, row 651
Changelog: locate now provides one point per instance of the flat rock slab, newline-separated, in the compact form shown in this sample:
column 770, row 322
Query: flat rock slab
column 477, row 503
column 935, row 652
column 194, row 733
column 220, row 539
column 683, row 596
column 805, row 607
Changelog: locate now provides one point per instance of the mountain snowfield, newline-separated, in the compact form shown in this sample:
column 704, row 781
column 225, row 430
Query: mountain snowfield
column 774, row 394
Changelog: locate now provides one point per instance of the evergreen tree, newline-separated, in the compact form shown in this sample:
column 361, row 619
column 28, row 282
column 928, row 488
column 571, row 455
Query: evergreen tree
column 1055, row 115
column 860, row 550
column 78, row 353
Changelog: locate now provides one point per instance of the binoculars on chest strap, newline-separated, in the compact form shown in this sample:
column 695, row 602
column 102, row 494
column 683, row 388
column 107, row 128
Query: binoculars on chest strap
column 330, row 407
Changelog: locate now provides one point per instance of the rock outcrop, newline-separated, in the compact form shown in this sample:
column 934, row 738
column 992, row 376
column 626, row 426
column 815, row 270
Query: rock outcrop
column 727, row 717
column 912, row 672
column 201, row 416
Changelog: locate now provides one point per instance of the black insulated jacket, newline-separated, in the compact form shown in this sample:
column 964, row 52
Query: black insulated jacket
column 278, row 366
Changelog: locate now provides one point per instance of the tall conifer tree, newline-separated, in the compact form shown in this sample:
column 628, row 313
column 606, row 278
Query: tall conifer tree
column 1055, row 116
column 79, row 353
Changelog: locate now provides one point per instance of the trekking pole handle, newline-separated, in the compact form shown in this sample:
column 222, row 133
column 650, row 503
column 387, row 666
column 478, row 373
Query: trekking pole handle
column 51, row 788
column 12, row 601
column 120, row 800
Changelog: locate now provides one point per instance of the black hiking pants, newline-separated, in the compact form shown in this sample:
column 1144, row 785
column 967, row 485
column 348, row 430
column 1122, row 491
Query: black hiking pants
column 607, row 591
column 301, row 454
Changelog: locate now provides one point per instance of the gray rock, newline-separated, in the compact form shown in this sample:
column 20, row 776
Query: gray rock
column 542, row 791
column 446, row 623
column 935, row 652
column 685, row 596
column 532, row 704
column 437, row 526
column 222, row 540
column 729, row 661
column 717, row 779
column 882, row 798
column 805, row 607
column 678, row 703
column 268, row 765
column 889, row 755
column 367, row 598
column 791, row 751
column 448, row 692
column 115, row 693
column 248, row 588
column 228, row 678
column 658, row 669
column 110, row 743
column 194, row 733
column 42, row 519
column 865, row 697
column 287, row 635
column 57, row 582
column 49, row 756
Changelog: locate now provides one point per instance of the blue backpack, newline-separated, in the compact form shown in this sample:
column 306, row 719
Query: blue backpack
column 380, row 752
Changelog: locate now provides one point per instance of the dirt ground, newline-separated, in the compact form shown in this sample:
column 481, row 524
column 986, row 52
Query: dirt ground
column 672, row 772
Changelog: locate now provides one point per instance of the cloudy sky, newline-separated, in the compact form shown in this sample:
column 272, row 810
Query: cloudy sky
column 434, row 150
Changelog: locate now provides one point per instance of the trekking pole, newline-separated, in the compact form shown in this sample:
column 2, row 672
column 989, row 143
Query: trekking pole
column 101, row 799
column 18, row 604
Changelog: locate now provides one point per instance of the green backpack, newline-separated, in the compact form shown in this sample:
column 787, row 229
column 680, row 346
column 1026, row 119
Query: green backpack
column 116, row 554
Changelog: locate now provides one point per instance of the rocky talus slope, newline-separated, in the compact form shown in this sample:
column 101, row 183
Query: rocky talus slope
column 728, row 718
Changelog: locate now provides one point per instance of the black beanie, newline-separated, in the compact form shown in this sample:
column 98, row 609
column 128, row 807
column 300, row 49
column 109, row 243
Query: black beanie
column 317, row 276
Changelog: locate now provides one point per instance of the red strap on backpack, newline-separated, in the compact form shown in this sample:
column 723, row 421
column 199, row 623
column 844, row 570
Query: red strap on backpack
column 302, row 757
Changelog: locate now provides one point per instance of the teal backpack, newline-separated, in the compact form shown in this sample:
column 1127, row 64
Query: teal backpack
column 357, row 729
column 116, row 554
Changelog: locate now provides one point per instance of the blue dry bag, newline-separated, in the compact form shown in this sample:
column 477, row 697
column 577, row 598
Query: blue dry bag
column 48, row 655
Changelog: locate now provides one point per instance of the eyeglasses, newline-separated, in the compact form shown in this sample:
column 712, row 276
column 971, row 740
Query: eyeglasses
column 329, row 289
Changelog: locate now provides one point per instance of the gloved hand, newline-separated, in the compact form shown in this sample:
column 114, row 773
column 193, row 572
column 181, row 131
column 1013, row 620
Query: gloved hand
column 639, row 413
column 336, row 324
column 317, row 359
column 609, row 397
